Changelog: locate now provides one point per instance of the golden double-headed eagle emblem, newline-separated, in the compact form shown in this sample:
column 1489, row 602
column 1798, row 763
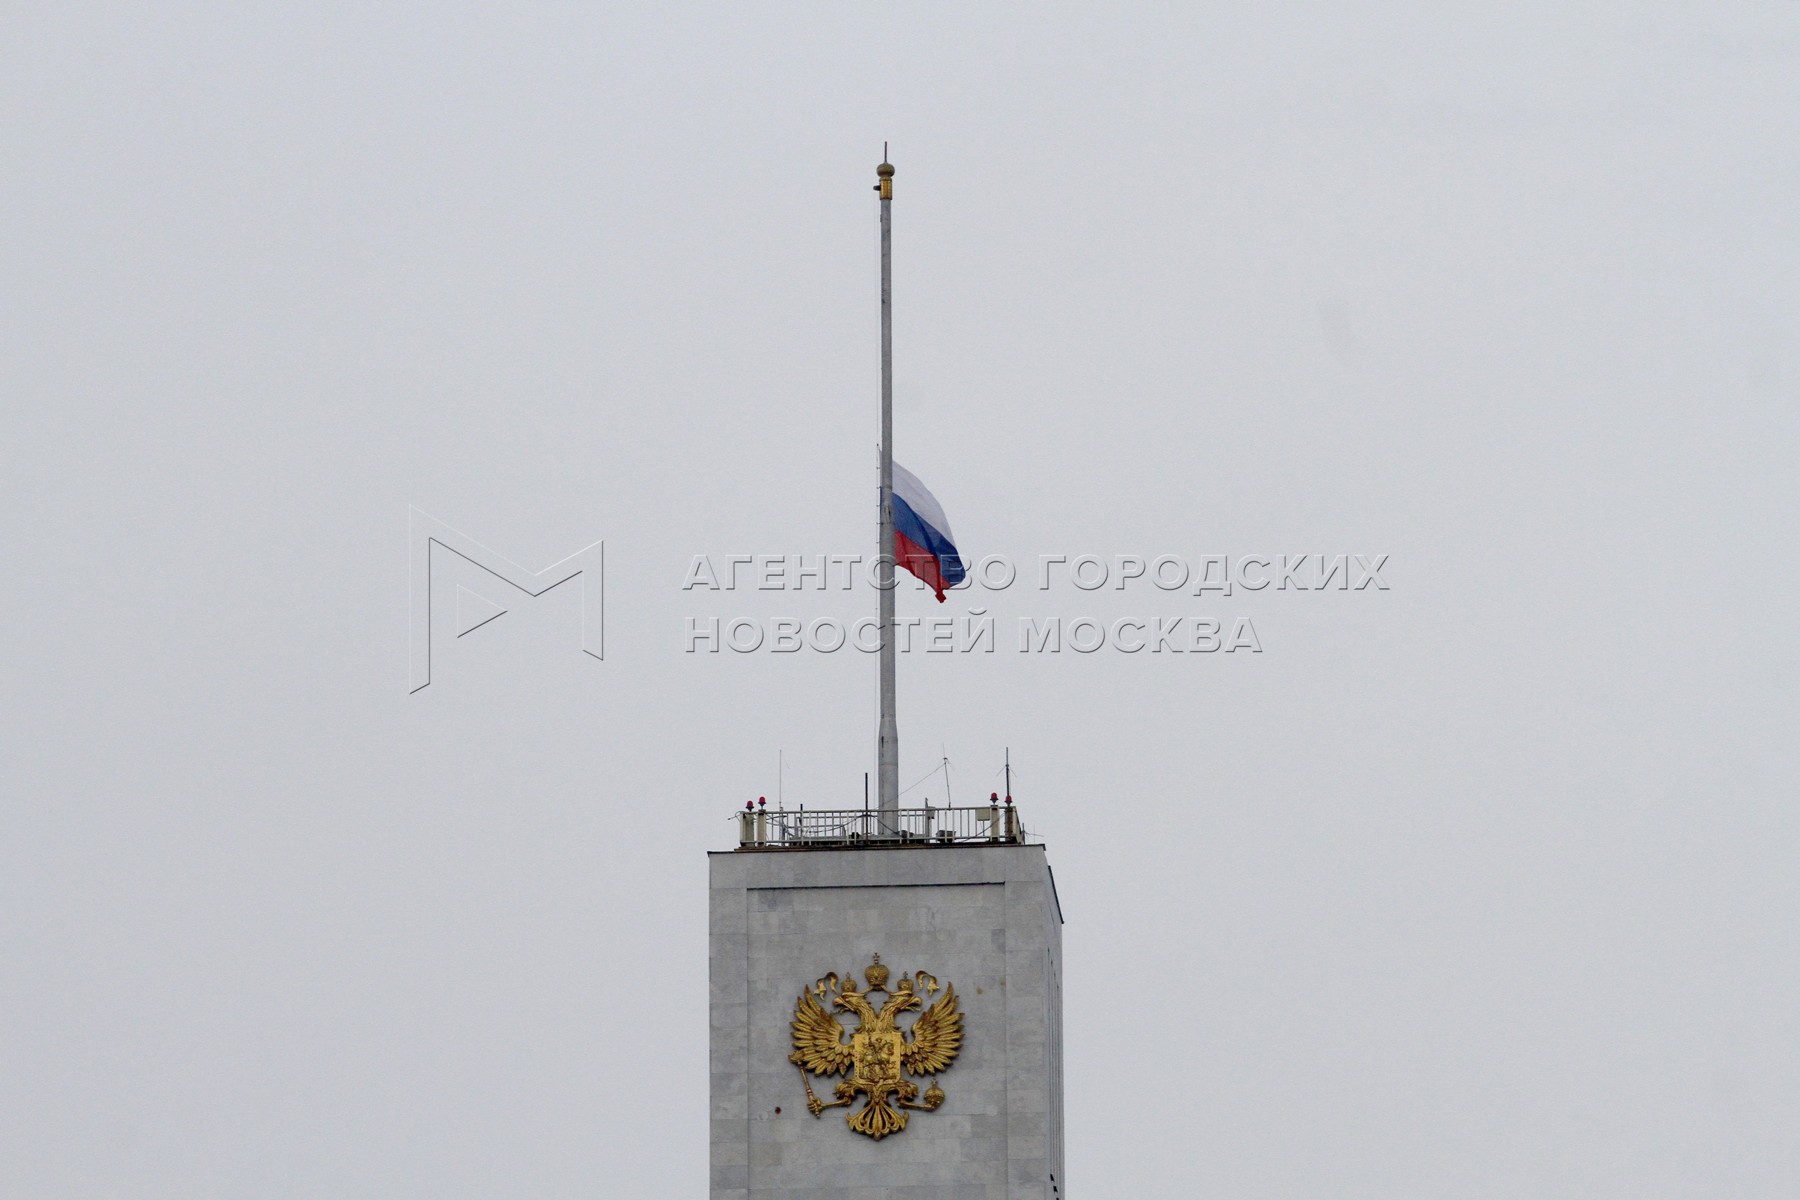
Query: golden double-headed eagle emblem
column 878, row 1052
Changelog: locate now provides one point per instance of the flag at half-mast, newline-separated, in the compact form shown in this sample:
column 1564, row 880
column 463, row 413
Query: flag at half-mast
column 923, row 543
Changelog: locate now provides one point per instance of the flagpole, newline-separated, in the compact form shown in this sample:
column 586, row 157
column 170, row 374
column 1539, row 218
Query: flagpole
column 888, row 747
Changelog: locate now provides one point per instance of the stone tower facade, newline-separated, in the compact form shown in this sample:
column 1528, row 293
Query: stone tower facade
column 961, row 921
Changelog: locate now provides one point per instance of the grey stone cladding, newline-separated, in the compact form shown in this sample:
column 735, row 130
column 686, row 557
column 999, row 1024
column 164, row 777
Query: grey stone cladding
column 984, row 918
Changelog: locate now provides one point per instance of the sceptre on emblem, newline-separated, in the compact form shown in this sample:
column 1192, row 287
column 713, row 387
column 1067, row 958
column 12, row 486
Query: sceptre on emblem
column 877, row 1053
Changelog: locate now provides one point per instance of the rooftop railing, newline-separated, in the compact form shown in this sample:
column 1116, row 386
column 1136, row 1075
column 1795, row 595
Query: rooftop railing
column 762, row 829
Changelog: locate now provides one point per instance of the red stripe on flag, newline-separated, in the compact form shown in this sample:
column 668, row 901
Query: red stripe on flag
column 920, row 561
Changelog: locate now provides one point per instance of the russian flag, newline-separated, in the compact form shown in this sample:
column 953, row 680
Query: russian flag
column 923, row 543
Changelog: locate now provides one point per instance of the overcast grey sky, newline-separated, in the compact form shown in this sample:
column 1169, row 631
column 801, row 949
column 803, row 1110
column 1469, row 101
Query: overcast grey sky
column 1480, row 886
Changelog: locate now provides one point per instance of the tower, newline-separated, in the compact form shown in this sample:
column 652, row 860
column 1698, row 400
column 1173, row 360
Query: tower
column 951, row 922
column 886, row 983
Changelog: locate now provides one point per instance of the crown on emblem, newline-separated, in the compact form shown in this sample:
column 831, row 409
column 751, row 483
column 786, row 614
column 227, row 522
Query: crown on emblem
column 877, row 975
